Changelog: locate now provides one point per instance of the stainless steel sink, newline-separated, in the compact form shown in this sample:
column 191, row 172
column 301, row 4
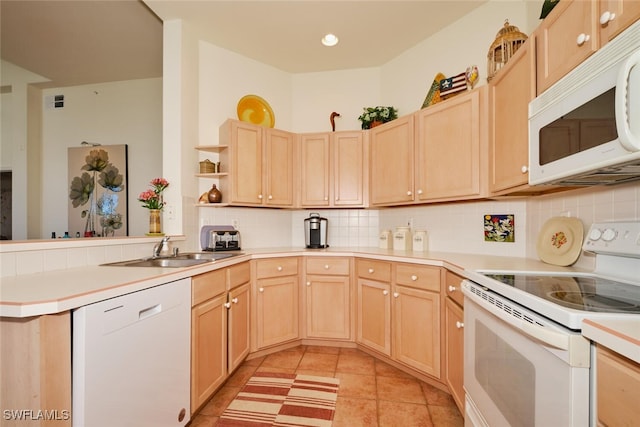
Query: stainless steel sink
column 182, row 260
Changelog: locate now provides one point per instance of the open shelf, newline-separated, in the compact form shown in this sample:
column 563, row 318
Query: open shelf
column 211, row 148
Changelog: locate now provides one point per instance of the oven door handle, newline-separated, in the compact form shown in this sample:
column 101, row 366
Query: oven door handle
column 552, row 338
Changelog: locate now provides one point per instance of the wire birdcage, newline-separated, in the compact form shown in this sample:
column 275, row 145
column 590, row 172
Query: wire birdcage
column 507, row 42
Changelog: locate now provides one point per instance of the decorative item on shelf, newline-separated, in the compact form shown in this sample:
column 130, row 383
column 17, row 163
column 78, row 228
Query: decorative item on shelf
column 451, row 86
column 547, row 7
column 152, row 199
column 433, row 96
column 472, row 75
column 214, row 195
column 332, row 119
column 507, row 42
column 377, row 114
column 155, row 224
column 204, row 198
column 253, row 109
column 207, row 166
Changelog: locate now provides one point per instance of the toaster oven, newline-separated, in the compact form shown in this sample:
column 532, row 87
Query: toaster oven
column 220, row 238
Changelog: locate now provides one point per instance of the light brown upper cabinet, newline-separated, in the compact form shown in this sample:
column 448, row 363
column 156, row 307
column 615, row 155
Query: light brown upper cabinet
column 615, row 16
column 451, row 146
column 392, row 160
column 574, row 30
column 333, row 169
column 260, row 160
column 510, row 92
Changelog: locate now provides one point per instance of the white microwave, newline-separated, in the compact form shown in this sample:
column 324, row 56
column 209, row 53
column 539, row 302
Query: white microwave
column 585, row 129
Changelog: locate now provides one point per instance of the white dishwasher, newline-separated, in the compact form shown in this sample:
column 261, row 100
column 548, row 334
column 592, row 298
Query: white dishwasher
column 131, row 359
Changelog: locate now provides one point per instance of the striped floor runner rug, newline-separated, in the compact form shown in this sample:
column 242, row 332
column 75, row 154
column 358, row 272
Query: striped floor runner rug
column 274, row 399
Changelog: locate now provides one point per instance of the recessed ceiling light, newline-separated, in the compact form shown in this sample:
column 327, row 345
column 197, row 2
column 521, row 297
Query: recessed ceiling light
column 330, row 40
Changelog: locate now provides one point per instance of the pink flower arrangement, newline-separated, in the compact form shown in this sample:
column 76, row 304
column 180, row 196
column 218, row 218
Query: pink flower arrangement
column 152, row 199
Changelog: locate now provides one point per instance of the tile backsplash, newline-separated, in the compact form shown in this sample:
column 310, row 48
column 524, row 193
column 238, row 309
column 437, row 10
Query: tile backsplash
column 451, row 227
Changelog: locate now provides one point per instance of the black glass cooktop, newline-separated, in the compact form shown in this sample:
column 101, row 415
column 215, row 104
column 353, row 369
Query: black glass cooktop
column 577, row 292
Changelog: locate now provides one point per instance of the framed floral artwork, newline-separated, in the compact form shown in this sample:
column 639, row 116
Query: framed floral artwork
column 499, row 228
column 98, row 191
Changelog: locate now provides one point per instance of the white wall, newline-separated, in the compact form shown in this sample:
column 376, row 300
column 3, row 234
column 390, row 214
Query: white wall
column 127, row 112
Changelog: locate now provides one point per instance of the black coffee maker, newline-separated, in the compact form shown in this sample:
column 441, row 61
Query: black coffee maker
column 315, row 231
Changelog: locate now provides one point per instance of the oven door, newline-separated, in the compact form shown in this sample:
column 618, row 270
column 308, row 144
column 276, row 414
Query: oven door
column 513, row 379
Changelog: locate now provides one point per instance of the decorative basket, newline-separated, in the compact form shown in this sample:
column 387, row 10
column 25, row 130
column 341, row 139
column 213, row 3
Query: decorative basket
column 207, row 166
column 507, row 42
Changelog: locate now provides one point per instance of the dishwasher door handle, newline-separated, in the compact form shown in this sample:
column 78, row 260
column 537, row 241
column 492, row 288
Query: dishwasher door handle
column 149, row 311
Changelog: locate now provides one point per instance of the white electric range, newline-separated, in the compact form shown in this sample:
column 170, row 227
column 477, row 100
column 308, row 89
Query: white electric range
column 526, row 362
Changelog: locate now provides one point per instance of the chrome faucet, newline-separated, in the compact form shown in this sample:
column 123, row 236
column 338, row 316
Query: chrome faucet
column 163, row 248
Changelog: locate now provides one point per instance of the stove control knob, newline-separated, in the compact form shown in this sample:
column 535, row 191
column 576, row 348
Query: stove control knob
column 595, row 234
column 609, row 234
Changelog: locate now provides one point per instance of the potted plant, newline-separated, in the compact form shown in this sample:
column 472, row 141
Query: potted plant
column 374, row 116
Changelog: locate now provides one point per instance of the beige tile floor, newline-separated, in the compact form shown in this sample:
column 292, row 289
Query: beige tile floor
column 371, row 393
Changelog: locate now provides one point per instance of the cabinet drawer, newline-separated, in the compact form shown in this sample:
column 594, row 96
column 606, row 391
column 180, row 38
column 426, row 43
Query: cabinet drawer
column 276, row 267
column 453, row 288
column 376, row 270
column 325, row 265
column 418, row 276
column 239, row 274
column 208, row 285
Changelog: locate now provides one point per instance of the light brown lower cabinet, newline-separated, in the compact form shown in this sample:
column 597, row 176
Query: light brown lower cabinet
column 276, row 302
column 454, row 351
column 454, row 337
column 35, row 367
column 374, row 315
column 327, row 298
column 219, row 328
column 618, row 389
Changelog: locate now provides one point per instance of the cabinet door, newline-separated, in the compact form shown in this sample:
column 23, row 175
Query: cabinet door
column 448, row 148
column 349, row 169
column 276, row 310
column 245, row 166
column 279, row 155
column 238, row 325
column 208, row 349
column 558, row 49
column 615, row 16
column 328, row 307
column 391, row 180
column 416, row 336
column 510, row 92
column 315, row 171
column 374, row 315
column 454, row 351
column 618, row 387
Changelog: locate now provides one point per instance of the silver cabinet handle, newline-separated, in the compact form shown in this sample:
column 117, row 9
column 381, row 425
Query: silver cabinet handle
column 396, row 295
column 308, row 283
column 260, row 196
column 459, row 324
column 261, row 290
column 227, row 305
column 270, row 197
column 452, row 288
column 235, row 300
column 409, row 193
column 524, row 169
column 279, row 268
column 371, row 271
column 419, row 191
column 414, row 277
column 385, row 292
column 326, row 266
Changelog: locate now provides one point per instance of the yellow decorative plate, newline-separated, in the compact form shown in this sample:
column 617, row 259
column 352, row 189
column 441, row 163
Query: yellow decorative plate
column 560, row 241
column 253, row 109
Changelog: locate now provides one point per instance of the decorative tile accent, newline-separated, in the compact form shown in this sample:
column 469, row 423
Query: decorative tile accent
column 499, row 228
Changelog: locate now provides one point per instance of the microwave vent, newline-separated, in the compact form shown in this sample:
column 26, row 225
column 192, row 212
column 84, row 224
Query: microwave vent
column 605, row 176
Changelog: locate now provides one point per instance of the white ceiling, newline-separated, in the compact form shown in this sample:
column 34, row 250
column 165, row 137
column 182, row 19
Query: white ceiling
column 79, row 42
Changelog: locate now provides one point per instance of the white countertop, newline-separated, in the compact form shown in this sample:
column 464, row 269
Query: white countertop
column 61, row 290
